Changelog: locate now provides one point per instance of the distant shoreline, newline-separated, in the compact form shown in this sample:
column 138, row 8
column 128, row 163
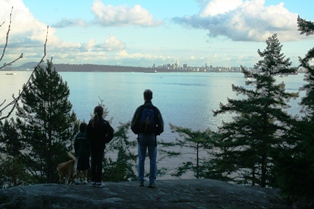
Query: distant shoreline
column 115, row 68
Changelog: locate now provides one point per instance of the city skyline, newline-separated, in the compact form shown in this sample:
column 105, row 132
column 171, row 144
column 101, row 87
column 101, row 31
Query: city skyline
column 146, row 33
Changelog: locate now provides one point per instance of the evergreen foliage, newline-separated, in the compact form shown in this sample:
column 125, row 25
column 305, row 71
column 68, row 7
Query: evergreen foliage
column 296, row 165
column 249, row 142
column 12, row 169
column 13, row 172
column 199, row 143
column 166, row 150
column 46, row 123
column 120, row 167
column 10, row 139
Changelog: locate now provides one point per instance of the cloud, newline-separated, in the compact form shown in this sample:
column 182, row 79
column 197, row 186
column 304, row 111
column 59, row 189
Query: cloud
column 90, row 44
column 22, row 21
column 123, row 15
column 239, row 20
column 141, row 59
column 112, row 44
column 214, row 8
column 70, row 23
column 28, row 35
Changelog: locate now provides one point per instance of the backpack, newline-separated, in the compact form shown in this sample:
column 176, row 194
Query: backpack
column 147, row 123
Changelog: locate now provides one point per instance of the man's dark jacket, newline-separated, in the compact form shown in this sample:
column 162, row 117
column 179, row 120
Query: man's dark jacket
column 157, row 117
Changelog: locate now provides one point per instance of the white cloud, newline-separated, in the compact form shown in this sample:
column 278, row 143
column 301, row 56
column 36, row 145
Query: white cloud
column 22, row 22
column 90, row 44
column 70, row 22
column 216, row 7
column 28, row 35
column 113, row 44
column 248, row 20
column 146, row 59
column 123, row 15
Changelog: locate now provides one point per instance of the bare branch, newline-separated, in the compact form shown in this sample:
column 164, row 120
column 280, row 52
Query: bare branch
column 10, row 63
column 2, row 104
column 42, row 59
column 7, row 37
column 6, row 44
column 14, row 102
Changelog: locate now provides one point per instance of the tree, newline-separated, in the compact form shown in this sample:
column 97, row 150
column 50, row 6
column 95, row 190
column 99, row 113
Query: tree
column 12, row 167
column 249, row 142
column 10, row 139
column 296, row 165
column 121, row 166
column 12, row 170
column 46, row 122
column 200, row 142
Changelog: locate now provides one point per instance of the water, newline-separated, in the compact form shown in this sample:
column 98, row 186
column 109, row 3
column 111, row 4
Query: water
column 184, row 99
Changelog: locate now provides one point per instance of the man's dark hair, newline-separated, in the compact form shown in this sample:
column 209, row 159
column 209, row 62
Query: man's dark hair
column 148, row 94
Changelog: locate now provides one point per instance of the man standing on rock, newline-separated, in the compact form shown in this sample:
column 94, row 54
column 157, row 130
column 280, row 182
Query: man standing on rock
column 147, row 122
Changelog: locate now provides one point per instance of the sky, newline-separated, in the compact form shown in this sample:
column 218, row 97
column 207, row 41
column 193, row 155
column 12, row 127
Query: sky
column 143, row 33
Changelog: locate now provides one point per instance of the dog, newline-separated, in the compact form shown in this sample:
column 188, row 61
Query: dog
column 67, row 169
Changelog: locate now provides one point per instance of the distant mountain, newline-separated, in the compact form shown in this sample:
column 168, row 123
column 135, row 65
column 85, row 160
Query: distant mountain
column 96, row 68
column 25, row 66
column 92, row 68
column 99, row 68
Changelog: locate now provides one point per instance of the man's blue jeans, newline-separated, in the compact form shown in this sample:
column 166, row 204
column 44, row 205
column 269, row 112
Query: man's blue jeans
column 147, row 142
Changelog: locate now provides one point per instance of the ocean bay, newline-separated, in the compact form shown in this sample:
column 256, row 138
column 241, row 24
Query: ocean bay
column 184, row 99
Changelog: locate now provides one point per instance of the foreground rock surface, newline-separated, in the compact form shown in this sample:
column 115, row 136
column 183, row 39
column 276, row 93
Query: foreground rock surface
column 181, row 194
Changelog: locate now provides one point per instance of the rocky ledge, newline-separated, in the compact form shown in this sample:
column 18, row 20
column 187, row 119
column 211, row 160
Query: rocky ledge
column 172, row 194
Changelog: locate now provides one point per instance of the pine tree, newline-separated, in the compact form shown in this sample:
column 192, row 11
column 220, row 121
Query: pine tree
column 12, row 168
column 200, row 143
column 121, row 167
column 249, row 142
column 10, row 137
column 296, row 165
column 46, row 123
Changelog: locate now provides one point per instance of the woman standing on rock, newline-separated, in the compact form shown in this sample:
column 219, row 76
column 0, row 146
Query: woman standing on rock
column 99, row 132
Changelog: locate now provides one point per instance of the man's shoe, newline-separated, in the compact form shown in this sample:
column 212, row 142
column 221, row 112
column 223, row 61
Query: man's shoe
column 93, row 184
column 141, row 184
column 84, row 181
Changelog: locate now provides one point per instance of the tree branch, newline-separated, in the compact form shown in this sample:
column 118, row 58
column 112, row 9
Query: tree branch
column 6, row 44
column 14, row 102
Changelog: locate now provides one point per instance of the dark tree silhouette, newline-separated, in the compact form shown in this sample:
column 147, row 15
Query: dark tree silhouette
column 249, row 142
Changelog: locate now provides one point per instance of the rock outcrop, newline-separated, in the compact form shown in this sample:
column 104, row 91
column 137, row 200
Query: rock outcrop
column 181, row 194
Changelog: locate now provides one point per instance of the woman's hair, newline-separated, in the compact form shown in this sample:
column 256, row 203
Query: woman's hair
column 83, row 127
column 98, row 112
